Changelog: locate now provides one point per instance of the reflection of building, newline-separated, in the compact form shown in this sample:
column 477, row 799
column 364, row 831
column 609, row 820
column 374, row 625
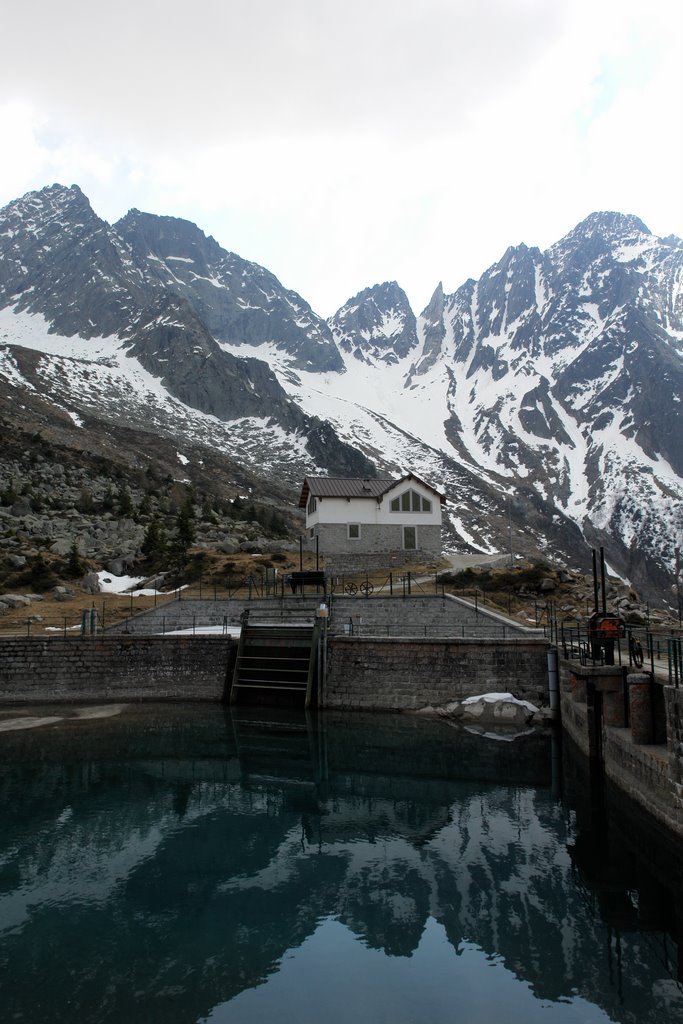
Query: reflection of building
column 372, row 516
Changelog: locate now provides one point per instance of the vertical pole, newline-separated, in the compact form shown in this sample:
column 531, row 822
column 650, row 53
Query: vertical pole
column 553, row 688
column 595, row 582
column 317, row 553
column 602, row 581
column 301, row 554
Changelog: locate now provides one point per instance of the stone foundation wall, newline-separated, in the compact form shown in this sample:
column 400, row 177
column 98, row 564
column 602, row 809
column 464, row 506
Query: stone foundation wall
column 382, row 538
column 388, row 675
column 115, row 668
column 390, row 561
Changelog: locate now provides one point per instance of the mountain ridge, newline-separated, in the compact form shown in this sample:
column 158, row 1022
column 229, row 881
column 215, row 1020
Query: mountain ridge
column 549, row 388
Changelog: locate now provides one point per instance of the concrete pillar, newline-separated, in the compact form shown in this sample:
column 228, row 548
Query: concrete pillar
column 578, row 688
column 613, row 710
column 640, row 707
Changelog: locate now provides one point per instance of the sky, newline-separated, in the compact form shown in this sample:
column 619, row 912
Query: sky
column 343, row 144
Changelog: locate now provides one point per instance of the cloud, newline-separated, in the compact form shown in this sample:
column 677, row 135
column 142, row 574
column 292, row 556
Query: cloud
column 344, row 145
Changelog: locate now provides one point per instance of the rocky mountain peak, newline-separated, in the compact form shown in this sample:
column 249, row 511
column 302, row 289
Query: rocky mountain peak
column 240, row 302
column 611, row 224
column 376, row 325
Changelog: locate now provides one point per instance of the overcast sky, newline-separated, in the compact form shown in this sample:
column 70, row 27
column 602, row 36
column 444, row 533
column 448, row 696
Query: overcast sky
column 341, row 144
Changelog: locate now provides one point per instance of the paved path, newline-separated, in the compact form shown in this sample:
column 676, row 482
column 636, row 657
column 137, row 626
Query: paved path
column 461, row 561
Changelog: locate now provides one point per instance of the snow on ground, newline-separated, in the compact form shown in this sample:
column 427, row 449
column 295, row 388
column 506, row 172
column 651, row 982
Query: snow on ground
column 110, row 584
column 234, row 631
column 498, row 698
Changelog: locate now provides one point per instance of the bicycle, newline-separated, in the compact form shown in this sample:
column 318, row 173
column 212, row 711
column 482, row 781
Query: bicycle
column 635, row 650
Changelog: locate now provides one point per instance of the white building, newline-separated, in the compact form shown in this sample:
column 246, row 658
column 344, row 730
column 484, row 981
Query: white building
column 372, row 516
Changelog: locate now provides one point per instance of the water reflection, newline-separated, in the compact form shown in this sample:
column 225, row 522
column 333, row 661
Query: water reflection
column 186, row 864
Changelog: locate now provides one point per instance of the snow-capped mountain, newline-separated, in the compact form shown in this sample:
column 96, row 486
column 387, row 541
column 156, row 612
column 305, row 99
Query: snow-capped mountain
column 120, row 343
column 544, row 398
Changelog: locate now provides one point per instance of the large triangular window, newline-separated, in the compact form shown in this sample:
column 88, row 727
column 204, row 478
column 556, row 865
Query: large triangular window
column 411, row 501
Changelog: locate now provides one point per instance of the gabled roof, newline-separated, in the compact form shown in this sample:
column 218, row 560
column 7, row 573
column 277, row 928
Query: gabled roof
column 354, row 487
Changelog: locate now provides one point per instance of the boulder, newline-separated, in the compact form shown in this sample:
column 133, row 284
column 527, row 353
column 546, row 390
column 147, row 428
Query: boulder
column 119, row 566
column 16, row 600
column 22, row 507
column 228, row 546
column 90, row 584
column 62, row 546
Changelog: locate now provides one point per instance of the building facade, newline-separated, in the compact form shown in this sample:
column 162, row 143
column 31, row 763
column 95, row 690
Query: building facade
column 372, row 516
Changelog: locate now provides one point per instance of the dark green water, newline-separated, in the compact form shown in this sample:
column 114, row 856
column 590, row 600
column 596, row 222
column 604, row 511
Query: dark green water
column 181, row 865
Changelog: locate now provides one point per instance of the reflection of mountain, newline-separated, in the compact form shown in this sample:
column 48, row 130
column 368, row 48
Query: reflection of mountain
column 140, row 886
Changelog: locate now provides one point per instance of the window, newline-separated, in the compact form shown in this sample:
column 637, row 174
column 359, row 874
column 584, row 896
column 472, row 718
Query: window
column 354, row 531
column 410, row 538
column 410, row 501
column 312, row 504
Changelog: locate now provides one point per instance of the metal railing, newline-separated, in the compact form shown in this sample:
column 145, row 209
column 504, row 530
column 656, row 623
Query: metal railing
column 639, row 648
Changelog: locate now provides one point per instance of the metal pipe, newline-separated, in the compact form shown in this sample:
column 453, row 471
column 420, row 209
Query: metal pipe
column 553, row 684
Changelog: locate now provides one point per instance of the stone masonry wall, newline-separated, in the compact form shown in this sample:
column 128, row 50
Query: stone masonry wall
column 649, row 773
column 377, row 674
column 114, row 668
column 374, row 538
column 419, row 615
column 674, row 721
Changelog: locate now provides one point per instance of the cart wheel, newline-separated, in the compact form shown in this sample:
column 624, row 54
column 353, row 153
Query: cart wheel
column 366, row 588
column 351, row 588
